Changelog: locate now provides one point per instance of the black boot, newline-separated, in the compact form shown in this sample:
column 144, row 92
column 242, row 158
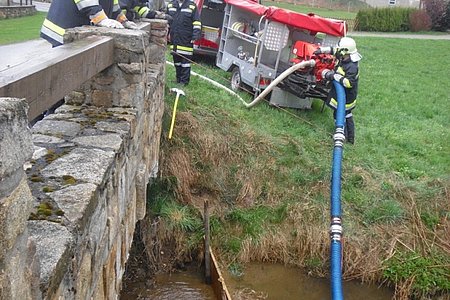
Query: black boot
column 350, row 130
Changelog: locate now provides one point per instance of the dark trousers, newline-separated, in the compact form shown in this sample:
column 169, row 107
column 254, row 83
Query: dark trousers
column 182, row 67
column 349, row 128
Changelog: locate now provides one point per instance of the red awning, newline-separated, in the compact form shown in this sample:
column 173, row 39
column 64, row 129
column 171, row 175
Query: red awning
column 249, row 5
column 309, row 22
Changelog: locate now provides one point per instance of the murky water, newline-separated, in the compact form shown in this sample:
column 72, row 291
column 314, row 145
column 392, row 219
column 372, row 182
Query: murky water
column 183, row 285
column 281, row 282
column 272, row 281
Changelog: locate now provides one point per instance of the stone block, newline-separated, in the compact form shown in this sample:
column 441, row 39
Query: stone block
column 88, row 165
column 14, row 212
column 57, row 128
column 16, row 146
column 102, row 98
column 54, row 247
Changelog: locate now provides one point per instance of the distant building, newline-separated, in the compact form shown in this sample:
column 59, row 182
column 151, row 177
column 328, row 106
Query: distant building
column 393, row 3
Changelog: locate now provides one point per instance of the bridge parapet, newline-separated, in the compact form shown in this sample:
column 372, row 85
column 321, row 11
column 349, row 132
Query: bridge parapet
column 88, row 175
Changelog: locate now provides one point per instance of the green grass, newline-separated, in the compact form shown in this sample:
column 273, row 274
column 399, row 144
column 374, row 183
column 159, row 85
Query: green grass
column 21, row 29
column 402, row 151
column 305, row 9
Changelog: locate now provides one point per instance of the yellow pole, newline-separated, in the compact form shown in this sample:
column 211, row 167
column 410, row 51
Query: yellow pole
column 173, row 115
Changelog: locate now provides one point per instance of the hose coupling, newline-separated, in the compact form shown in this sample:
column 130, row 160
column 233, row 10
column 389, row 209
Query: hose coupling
column 336, row 229
column 339, row 137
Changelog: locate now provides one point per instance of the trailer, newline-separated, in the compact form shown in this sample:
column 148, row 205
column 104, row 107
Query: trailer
column 258, row 43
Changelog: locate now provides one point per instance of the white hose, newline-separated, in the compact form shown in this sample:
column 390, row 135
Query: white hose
column 215, row 84
column 301, row 65
column 292, row 69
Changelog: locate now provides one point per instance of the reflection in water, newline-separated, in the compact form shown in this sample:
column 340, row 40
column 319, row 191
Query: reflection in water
column 183, row 285
column 281, row 282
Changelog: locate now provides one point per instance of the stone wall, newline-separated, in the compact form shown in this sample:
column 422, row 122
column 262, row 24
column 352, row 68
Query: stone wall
column 9, row 12
column 88, row 175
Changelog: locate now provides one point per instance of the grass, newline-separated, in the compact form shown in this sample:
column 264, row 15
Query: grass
column 269, row 170
column 29, row 28
column 305, row 9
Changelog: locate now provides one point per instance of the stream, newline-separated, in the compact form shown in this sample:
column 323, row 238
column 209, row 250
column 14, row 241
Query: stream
column 262, row 280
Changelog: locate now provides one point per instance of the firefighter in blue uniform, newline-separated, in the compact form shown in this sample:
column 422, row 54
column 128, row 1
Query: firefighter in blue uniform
column 64, row 14
column 346, row 72
column 137, row 9
column 184, row 29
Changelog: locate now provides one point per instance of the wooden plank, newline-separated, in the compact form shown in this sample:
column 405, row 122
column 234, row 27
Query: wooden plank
column 218, row 283
column 45, row 79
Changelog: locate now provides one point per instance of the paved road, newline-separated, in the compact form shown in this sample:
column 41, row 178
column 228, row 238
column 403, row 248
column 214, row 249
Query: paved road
column 401, row 35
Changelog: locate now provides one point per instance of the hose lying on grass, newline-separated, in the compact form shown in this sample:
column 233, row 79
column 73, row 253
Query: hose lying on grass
column 215, row 83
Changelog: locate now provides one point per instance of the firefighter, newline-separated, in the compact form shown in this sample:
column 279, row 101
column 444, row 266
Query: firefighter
column 137, row 9
column 65, row 14
column 346, row 72
column 184, row 29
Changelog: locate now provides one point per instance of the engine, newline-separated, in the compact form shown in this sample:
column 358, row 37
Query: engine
column 308, row 82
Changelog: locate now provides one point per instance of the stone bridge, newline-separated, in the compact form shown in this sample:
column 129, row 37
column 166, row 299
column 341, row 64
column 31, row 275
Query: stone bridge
column 73, row 185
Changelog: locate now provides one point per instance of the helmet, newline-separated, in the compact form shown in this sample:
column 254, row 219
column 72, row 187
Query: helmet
column 347, row 45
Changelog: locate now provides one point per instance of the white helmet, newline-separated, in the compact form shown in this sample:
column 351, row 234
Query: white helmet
column 347, row 45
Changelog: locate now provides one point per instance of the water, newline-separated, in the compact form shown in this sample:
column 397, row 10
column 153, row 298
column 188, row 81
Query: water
column 272, row 281
column 182, row 285
column 280, row 282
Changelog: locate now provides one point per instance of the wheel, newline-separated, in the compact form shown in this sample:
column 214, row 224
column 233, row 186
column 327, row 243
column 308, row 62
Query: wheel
column 236, row 82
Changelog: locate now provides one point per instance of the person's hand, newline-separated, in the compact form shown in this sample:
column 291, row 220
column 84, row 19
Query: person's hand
column 130, row 25
column 327, row 74
column 337, row 77
column 160, row 15
column 110, row 23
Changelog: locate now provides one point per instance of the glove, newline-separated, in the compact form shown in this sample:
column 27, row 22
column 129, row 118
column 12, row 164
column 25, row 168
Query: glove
column 337, row 77
column 109, row 23
column 327, row 74
column 323, row 50
column 160, row 15
column 130, row 25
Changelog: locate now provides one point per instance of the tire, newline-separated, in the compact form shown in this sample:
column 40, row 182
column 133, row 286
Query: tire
column 236, row 81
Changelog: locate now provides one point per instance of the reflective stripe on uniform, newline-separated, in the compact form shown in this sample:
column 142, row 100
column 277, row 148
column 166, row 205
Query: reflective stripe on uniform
column 85, row 3
column 184, row 52
column 172, row 9
column 185, row 48
column 192, row 7
column 187, row 65
column 348, row 106
column 344, row 81
column 197, row 25
column 188, row 10
column 53, row 27
column 144, row 10
column 177, row 64
column 53, row 35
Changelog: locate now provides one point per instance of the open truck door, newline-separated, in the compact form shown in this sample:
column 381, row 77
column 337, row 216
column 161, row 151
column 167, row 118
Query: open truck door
column 211, row 14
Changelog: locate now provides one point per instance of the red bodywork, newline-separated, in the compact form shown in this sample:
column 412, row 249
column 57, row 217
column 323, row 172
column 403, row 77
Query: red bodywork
column 305, row 51
column 310, row 22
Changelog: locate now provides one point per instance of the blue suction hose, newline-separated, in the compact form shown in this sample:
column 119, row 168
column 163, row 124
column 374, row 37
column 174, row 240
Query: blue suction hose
column 335, row 211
